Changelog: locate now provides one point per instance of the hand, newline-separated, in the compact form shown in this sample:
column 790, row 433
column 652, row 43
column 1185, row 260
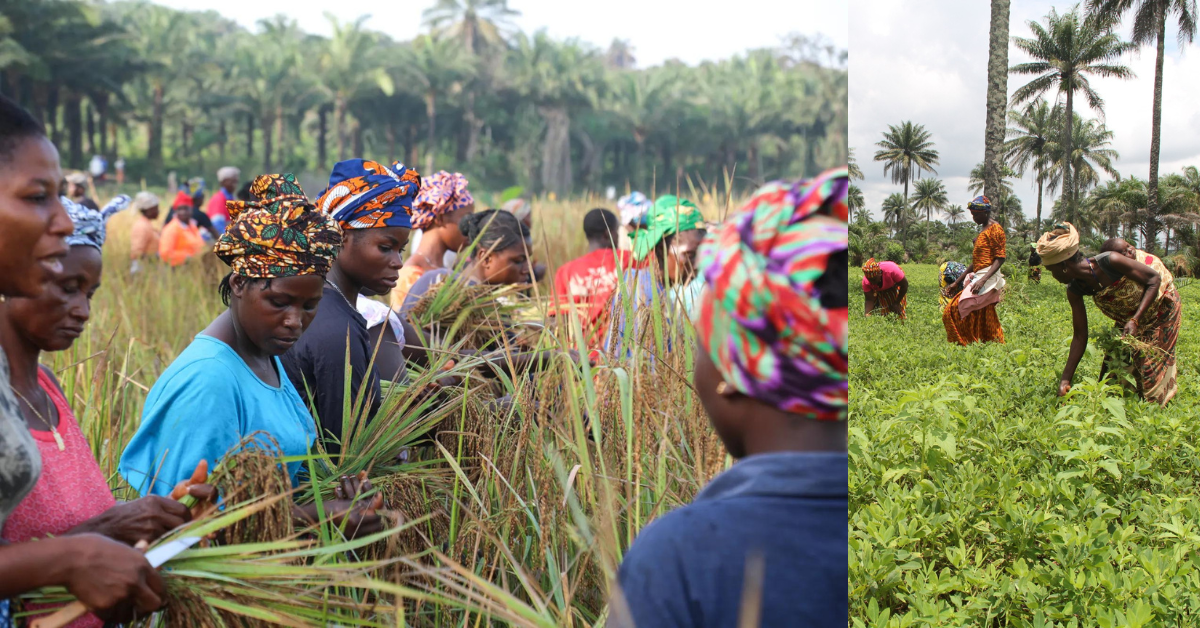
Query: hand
column 114, row 581
column 975, row 289
column 1131, row 327
column 197, row 488
column 144, row 519
column 1064, row 387
column 358, row 515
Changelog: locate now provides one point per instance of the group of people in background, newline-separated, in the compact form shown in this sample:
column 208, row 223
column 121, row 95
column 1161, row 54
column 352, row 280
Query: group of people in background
column 1128, row 285
column 306, row 285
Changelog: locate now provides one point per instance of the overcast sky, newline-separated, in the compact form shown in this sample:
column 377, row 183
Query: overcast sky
column 926, row 61
column 658, row 29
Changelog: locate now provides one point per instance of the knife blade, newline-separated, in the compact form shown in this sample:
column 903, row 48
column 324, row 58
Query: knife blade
column 161, row 554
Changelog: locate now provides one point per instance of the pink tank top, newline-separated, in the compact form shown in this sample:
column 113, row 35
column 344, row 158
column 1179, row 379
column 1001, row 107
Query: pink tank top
column 71, row 490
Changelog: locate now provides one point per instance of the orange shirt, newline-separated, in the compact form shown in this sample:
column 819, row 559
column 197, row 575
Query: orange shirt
column 180, row 242
column 144, row 238
column 989, row 245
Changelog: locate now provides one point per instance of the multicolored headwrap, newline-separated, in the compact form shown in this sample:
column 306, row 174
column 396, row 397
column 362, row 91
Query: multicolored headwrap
column 280, row 235
column 670, row 214
column 761, row 318
column 633, row 208
column 364, row 194
column 980, row 204
column 953, row 270
column 89, row 223
column 872, row 271
column 440, row 194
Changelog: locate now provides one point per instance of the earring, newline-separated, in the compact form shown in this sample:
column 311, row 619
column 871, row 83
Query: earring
column 722, row 387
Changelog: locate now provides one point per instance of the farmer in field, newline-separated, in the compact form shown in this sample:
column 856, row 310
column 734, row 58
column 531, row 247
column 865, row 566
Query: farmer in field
column 1141, row 298
column 523, row 210
column 970, row 316
column 443, row 201
column 633, row 207
column 229, row 382
column 771, row 374
column 498, row 257
column 77, row 190
column 371, row 202
column 1035, row 265
column 885, row 287
column 72, row 495
column 948, row 274
column 227, row 185
column 180, row 239
column 584, row 286
column 144, row 235
column 107, row 576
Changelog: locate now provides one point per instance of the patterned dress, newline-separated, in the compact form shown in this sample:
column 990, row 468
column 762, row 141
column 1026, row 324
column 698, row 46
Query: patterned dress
column 1153, row 367
column 982, row 325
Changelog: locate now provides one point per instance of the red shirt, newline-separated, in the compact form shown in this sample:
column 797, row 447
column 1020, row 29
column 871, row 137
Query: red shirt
column 216, row 205
column 588, row 283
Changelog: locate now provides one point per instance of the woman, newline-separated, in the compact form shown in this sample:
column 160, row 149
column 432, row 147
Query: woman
column 72, row 496
column 885, row 287
column 371, row 203
column 144, row 236
column 441, row 204
column 523, row 211
column 770, row 371
column 948, row 274
column 229, row 383
column 1140, row 298
column 180, row 240
column 106, row 575
column 497, row 255
column 1035, row 265
column 633, row 207
column 970, row 316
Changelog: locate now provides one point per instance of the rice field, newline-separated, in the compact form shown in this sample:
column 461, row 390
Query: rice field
column 505, row 515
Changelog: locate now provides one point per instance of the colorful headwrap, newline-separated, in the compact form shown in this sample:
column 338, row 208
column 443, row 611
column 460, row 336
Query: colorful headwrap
column 952, row 271
column 440, row 194
column 980, row 204
column 364, row 194
column 872, row 271
column 280, row 235
column 89, row 223
column 670, row 214
column 761, row 318
column 633, row 208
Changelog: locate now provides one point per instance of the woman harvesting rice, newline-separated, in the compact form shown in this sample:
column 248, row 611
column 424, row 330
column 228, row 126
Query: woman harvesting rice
column 1140, row 298
column 885, row 287
column 498, row 255
column 441, row 204
column 948, row 274
column 970, row 316
column 229, row 383
column 771, row 374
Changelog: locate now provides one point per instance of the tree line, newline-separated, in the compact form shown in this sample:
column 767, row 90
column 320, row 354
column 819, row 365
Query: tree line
column 181, row 90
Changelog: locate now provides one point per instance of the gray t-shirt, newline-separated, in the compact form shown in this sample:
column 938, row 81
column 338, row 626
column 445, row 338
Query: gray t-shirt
column 20, row 462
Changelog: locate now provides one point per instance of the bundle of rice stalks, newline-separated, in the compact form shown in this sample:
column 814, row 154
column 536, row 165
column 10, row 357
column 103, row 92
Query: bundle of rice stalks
column 475, row 314
column 253, row 468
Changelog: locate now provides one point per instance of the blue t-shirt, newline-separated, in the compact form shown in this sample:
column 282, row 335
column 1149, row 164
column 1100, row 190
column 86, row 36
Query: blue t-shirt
column 201, row 407
column 687, row 567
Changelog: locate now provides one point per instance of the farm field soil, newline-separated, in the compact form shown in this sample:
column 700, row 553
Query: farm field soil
column 979, row 498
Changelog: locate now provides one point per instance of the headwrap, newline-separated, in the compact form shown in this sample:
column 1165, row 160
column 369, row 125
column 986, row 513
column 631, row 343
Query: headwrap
column 952, row 271
column 280, row 235
column 1058, row 244
column 872, row 271
column 228, row 172
column 77, row 178
column 89, row 223
column 980, row 204
column 181, row 199
column 364, row 194
column 670, row 214
column 440, row 194
column 518, row 207
column 144, row 200
column 761, row 318
column 633, row 208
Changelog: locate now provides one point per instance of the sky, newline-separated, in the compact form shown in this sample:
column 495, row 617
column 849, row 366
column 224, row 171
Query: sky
column 926, row 61
column 658, row 29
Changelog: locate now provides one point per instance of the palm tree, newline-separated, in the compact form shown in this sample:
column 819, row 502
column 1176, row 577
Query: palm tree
column 895, row 211
column 907, row 151
column 477, row 24
column 852, row 167
column 644, row 103
column 954, row 213
column 997, row 92
column 854, row 199
column 435, row 68
column 929, row 195
column 977, row 181
column 1150, row 26
column 1066, row 51
column 350, row 69
column 1091, row 155
column 1027, row 146
column 620, row 55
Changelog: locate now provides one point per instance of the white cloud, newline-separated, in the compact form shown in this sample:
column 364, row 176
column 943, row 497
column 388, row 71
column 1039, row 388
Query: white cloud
column 926, row 61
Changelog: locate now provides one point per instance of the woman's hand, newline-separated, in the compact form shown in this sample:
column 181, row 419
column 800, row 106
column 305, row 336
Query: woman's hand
column 357, row 517
column 1064, row 387
column 1131, row 327
column 112, row 580
column 144, row 519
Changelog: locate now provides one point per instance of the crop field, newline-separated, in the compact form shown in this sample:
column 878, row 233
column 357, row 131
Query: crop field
column 979, row 498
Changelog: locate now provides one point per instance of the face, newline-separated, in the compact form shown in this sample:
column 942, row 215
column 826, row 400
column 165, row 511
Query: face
column 506, row 266
column 373, row 257
column 33, row 222
column 74, row 190
column 274, row 316
column 183, row 214
column 56, row 318
column 151, row 212
column 980, row 218
column 229, row 184
column 1059, row 272
column 723, row 412
column 681, row 255
column 453, row 235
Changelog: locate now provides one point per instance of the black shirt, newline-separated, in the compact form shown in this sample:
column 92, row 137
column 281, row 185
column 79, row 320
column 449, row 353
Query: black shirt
column 316, row 364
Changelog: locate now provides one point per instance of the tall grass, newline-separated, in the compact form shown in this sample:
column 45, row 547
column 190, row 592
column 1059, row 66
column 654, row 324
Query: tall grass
column 519, row 513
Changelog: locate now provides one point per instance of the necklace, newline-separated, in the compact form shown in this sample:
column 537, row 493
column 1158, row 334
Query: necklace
column 1092, row 268
column 339, row 291
column 58, row 440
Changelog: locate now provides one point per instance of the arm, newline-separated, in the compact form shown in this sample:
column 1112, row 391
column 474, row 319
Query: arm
column 870, row 303
column 1143, row 275
column 414, row 346
column 138, row 241
column 389, row 360
column 1079, row 334
column 903, row 289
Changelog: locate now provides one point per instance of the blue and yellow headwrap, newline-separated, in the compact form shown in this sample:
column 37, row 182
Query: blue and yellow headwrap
column 364, row 194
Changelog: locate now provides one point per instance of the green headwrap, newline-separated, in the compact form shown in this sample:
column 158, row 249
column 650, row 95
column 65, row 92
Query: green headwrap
column 670, row 214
